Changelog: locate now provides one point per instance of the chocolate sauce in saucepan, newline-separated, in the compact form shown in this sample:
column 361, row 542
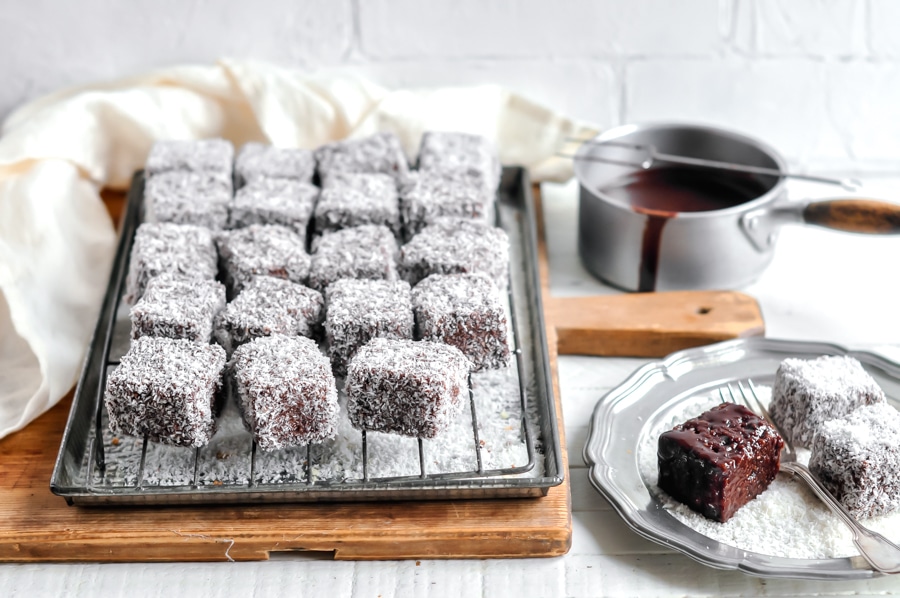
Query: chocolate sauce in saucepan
column 663, row 193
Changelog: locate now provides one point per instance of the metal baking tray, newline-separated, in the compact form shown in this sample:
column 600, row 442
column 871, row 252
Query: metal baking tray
column 95, row 468
column 627, row 421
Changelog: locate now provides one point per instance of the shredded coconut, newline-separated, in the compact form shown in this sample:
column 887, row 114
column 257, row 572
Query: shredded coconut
column 262, row 250
column 463, row 310
column 787, row 520
column 274, row 201
column 456, row 246
column 178, row 307
column 809, row 392
column 202, row 155
column 262, row 161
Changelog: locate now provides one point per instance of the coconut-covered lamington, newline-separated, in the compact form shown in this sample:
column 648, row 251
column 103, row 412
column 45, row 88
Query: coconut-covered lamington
column 270, row 306
column 274, row 201
column 258, row 161
column 429, row 195
column 185, row 197
column 451, row 151
column 412, row 388
column 463, row 310
column 354, row 199
column 856, row 457
column 165, row 247
column 178, row 307
column 262, row 250
column 807, row 393
column 360, row 310
column 200, row 155
column 456, row 246
column 167, row 390
column 368, row 251
column 285, row 390
column 380, row 152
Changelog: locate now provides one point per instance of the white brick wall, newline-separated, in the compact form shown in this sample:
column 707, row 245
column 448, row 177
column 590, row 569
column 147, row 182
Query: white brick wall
column 820, row 79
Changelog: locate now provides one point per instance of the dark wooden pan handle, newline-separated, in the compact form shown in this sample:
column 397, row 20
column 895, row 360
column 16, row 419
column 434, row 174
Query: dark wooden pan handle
column 855, row 215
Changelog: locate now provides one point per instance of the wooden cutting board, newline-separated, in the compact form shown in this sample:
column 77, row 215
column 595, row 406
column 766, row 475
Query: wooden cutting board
column 36, row 525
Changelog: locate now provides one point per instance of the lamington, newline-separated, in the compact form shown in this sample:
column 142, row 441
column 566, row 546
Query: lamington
column 856, row 458
column 456, row 246
column 354, row 199
column 718, row 462
column 200, row 155
column 360, row 310
column 168, row 390
column 258, row 161
column 268, row 306
column 285, row 390
column 165, row 247
column 380, row 152
column 451, row 151
column 368, row 251
column 429, row 195
column 412, row 388
column 262, row 250
column 185, row 197
column 463, row 310
column 807, row 393
column 274, row 201
column 178, row 307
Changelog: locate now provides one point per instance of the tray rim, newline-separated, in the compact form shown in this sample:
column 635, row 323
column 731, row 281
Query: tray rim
column 709, row 551
column 515, row 181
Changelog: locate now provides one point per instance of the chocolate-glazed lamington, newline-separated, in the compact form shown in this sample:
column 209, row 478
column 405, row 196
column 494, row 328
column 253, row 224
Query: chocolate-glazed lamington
column 166, row 389
column 717, row 462
column 165, row 247
column 380, row 152
column 178, row 307
column 456, row 246
column 185, row 197
column 258, row 161
column 268, row 306
column 360, row 310
column 807, row 393
column 262, row 250
column 200, row 155
column 463, row 310
column 285, row 390
column 857, row 459
column 368, row 251
column 274, row 201
column 354, row 199
column 412, row 388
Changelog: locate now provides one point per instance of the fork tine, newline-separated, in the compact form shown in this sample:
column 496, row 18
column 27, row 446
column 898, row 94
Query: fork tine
column 761, row 409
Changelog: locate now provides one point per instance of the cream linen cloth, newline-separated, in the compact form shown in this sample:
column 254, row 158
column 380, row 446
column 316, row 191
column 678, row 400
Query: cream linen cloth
column 57, row 241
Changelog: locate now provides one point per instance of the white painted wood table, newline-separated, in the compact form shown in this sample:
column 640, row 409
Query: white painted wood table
column 821, row 286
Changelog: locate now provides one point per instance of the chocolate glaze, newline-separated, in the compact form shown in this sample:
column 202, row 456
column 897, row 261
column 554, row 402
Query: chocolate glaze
column 717, row 462
column 663, row 193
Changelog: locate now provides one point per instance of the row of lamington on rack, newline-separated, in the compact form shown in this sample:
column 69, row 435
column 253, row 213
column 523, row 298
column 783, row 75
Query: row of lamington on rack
column 389, row 277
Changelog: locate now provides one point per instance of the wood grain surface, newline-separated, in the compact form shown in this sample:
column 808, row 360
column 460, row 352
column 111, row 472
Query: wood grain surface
column 36, row 525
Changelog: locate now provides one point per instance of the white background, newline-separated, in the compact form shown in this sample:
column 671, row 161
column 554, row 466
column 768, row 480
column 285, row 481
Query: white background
column 818, row 79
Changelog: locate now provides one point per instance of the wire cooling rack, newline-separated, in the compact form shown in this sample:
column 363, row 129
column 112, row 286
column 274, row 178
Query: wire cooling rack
column 94, row 467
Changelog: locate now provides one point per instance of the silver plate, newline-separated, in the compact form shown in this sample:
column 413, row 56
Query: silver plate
column 625, row 415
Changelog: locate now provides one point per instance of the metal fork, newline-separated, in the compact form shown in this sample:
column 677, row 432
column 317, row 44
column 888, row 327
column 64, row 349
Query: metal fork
column 882, row 554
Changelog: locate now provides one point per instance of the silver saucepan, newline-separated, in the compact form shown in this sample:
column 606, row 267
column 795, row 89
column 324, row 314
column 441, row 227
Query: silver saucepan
column 671, row 226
